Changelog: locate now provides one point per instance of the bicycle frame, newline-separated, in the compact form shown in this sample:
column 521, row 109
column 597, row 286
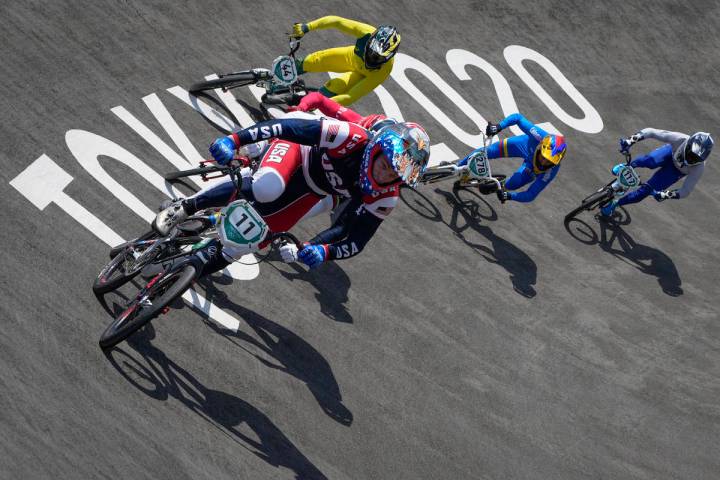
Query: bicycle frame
column 478, row 167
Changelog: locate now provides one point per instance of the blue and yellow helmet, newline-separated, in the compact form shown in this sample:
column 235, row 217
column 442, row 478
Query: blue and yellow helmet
column 407, row 148
column 552, row 148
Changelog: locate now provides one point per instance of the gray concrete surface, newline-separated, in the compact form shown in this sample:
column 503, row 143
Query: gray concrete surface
column 471, row 340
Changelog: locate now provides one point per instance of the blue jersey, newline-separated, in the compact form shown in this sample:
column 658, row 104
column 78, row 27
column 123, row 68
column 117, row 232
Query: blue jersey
column 522, row 146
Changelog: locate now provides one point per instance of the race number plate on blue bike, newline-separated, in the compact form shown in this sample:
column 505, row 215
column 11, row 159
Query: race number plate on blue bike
column 242, row 229
column 478, row 165
column 627, row 177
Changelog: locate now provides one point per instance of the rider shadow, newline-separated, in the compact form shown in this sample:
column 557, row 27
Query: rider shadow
column 154, row 374
column 291, row 354
column 332, row 285
column 522, row 268
column 646, row 259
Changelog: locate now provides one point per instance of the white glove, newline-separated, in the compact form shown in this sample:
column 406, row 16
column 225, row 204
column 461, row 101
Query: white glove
column 289, row 253
column 253, row 150
column 246, row 172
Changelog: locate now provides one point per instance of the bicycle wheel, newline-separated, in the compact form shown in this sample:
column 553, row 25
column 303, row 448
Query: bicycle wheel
column 125, row 265
column 119, row 248
column 232, row 80
column 195, row 171
column 156, row 295
column 590, row 202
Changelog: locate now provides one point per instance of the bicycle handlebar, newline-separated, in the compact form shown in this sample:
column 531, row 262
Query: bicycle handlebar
column 287, row 236
column 294, row 45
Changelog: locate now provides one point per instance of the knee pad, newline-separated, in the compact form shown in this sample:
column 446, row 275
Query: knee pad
column 267, row 185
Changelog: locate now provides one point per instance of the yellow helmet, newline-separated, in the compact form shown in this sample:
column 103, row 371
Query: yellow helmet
column 552, row 148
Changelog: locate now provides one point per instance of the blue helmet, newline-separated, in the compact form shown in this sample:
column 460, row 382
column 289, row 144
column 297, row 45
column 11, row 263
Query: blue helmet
column 406, row 146
column 697, row 148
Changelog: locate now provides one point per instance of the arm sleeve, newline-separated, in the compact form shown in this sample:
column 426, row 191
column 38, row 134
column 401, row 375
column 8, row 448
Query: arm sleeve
column 525, row 125
column 536, row 187
column 347, row 26
column 691, row 180
column 664, row 136
column 350, row 238
column 305, row 132
column 328, row 107
column 507, row 147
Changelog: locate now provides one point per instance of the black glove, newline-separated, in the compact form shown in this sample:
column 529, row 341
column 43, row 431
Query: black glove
column 492, row 129
column 502, row 195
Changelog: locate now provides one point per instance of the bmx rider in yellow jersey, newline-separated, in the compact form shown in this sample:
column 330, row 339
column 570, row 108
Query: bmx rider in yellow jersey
column 362, row 66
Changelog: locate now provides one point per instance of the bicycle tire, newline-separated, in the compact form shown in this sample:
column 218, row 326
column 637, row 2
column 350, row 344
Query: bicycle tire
column 589, row 203
column 119, row 248
column 105, row 282
column 194, row 171
column 135, row 317
column 232, row 80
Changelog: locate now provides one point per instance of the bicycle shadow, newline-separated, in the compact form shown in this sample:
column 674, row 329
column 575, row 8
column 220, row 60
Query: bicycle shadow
column 467, row 215
column 291, row 354
column 646, row 259
column 156, row 375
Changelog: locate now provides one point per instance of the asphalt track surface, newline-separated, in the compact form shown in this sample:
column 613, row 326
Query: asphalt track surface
column 470, row 340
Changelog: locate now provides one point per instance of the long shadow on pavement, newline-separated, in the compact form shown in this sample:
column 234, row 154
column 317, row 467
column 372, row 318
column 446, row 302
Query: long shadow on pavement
column 469, row 210
column 332, row 285
column 613, row 239
column 289, row 352
column 159, row 377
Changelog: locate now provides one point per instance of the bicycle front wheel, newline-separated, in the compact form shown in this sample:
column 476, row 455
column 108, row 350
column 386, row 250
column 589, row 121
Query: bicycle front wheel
column 226, row 82
column 158, row 294
column 594, row 200
column 125, row 265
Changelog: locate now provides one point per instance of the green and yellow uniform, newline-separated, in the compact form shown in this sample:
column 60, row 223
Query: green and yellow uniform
column 356, row 80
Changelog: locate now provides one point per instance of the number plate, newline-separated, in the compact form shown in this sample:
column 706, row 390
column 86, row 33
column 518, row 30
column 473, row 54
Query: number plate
column 284, row 70
column 627, row 177
column 242, row 228
column 478, row 165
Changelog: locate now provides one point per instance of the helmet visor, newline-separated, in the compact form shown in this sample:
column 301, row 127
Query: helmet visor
column 695, row 153
column 374, row 59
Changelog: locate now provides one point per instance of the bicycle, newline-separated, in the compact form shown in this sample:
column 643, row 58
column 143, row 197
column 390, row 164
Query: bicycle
column 130, row 258
column 475, row 173
column 625, row 179
column 248, row 230
column 282, row 83
column 127, row 260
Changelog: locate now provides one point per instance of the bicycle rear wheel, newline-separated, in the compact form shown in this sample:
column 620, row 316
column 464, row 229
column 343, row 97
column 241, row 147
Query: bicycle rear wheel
column 590, row 202
column 226, row 82
column 157, row 295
